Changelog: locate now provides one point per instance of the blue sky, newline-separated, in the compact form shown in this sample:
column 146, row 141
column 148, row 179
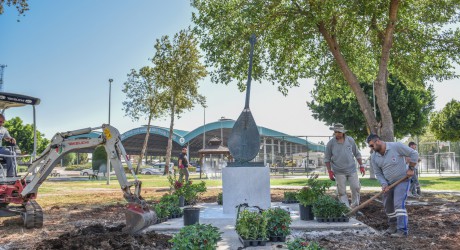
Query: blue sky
column 64, row 52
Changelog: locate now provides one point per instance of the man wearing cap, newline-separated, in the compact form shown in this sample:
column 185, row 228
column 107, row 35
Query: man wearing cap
column 183, row 164
column 414, row 189
column 341, row 152
column 389, row 163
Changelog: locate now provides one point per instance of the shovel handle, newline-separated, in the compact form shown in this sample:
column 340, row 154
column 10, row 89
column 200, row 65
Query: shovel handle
column 374, row 197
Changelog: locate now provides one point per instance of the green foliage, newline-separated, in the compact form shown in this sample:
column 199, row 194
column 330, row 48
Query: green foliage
column 290, row 196
column 302, row 244
column 445, row 124
column 76, row 167
column 171, row 202
column 410, row 107
column 278, row 221
column 82, row 158
column 24, row 135
column 334, row 42
column 176, row 186
column 192, row 191
column 220, row 198
column 99, row 157
column 251, row 225
column 196, row 237
column 177, row 71
column 312, row 191
column 328, row 207
column 69, row 159
column 162, row 210
column 21, row 5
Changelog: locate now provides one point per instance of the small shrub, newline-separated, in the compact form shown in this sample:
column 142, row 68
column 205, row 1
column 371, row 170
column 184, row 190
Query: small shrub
column 278, row 222
column 196, row 236
column 328, row 207
column 251, row 225
column 312, row 191
column 290, row 196
column 220, row 199
column 302, row 244
column 162, row 211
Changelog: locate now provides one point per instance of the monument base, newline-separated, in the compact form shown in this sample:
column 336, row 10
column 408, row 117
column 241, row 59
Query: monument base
column 249, row 185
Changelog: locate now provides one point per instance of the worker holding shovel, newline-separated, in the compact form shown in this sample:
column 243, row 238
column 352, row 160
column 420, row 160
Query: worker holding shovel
column 389, row 163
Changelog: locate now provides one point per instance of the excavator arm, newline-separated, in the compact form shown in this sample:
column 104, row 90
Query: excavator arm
column 138, row 213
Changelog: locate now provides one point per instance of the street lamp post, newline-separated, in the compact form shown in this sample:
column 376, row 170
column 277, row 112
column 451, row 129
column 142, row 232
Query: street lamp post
column 108, row 156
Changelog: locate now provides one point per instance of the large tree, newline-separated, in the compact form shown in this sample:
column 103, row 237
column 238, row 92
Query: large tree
column 445, row 124
column 143, row 99
column 178, row 70
column 411, row 106
column 349, row 42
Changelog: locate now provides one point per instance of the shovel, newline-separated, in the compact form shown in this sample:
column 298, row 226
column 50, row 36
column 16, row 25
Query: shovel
column 244, row 141
column 374, row 197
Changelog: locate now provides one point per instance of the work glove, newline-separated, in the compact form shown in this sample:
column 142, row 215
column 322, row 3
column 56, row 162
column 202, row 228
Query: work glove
column 331, row 175
column 362, row 170
column 181, row 166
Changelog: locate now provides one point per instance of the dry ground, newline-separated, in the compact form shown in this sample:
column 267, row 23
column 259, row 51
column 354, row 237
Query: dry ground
column 434, row 224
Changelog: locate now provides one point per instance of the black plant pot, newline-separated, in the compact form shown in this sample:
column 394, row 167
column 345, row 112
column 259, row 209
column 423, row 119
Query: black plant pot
column 306, row 212
column 181, row 201
column 191, row 215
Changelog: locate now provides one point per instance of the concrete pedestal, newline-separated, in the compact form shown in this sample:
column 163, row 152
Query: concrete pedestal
column 245, row 185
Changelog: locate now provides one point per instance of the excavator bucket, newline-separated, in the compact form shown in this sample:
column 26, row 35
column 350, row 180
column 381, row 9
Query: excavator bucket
column 138, row 218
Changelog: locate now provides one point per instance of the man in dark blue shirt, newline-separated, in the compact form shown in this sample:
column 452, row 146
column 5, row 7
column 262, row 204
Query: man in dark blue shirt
column 183, row 164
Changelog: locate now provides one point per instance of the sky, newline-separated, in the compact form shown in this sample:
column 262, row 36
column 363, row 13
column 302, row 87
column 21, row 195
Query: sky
column 64, row 52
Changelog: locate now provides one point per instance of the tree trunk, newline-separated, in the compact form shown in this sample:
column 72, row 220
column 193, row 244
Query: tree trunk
column 144, row 147
column 171, row 127
column 387, row 127
column 364, row 103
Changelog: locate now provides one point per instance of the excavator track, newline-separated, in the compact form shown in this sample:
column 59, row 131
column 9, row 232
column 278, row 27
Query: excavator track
column 33, row 216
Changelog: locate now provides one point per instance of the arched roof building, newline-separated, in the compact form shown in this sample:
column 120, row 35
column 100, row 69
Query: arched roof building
column 273, row 143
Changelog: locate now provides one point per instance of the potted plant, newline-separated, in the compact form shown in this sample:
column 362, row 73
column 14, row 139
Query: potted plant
column 162, row 212
column 290, row 197
column 251, row 227
column 196, row 236
column 309, row 194
column 328, row 209
column 191, row 193
column 278, row 222
column 302, row 244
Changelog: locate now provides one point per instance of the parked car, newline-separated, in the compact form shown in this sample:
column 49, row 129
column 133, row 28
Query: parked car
column 89, row 171
column 158, row 168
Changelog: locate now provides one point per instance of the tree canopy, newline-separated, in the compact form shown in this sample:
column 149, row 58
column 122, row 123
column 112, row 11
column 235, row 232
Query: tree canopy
column 337, row 104
column 177, row 70
column 24, row 135
column 21, row 5
column 337, row 42
column 445, row 124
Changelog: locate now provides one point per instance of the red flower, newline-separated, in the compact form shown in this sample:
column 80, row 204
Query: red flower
column 178, row 185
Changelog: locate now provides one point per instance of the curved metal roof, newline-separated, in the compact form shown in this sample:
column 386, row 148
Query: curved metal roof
column 134, row 138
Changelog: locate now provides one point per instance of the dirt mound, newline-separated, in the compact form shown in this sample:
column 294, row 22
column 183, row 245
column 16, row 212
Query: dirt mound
column 101, row 237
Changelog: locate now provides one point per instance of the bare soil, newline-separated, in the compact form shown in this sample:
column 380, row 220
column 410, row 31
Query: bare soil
column 434, row 223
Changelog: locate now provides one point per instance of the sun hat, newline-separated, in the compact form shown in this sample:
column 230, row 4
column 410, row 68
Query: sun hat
column 338, row 127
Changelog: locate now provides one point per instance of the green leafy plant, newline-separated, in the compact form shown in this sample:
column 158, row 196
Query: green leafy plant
column 220, row 198
column 290, row 196
column 278, row 221
column 172, row 203
column 312, row 191
column 196, row 236
column 176, row 186
column 251, row 225
column 161, row 209
column 328, row 207
column 192, row 191
column 302, row 244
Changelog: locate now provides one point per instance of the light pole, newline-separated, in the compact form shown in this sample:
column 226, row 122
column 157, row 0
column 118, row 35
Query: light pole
column 108, row 156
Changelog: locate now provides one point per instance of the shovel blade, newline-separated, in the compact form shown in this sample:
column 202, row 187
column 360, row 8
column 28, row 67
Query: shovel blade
column 138, row 218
